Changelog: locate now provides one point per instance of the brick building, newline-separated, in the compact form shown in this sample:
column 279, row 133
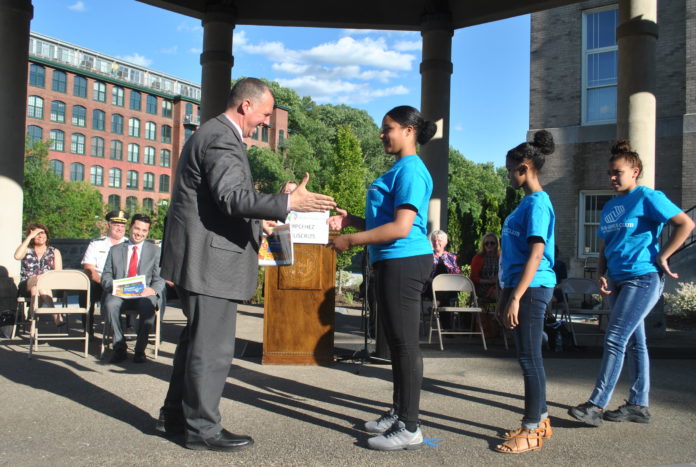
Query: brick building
column 573, row 94
column 115, row 124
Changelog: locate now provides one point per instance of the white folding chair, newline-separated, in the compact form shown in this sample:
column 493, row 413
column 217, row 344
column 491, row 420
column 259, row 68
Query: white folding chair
column 575, row 293
column 107, row 334
column 454, row 283
column 68, row 280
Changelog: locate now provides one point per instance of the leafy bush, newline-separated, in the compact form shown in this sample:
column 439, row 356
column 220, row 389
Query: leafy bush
column 683, row 302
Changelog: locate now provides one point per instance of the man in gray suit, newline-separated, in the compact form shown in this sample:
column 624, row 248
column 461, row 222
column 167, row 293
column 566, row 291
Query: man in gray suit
column 211, row 254
column 135, row 257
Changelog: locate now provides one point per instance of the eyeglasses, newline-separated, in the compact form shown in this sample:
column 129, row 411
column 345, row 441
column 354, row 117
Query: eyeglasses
column 490, row 243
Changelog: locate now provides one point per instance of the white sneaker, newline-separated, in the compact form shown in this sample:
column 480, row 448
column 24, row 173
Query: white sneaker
column 396, row 439
column 383, row 423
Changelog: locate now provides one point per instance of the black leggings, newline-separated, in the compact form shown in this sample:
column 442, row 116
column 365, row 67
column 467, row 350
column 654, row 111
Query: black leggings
column 400, row 283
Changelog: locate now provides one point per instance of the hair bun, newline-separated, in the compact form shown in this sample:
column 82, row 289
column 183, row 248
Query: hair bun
column 426, row 132
column 622, row 146
column 543, row 141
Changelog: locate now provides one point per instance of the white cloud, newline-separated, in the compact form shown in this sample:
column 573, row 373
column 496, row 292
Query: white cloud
column 137, row 59
column 367, row 52
column 381, row 32
column 338, row 91
column 77, row 6
column 458, row 127
column 189, row 26
column 406, row 46
column 239, row 38
column 195, row 50
column 170, row 50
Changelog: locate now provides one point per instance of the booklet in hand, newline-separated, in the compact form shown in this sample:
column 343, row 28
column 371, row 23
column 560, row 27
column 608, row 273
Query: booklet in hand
column 277, row 249
column 129, row 287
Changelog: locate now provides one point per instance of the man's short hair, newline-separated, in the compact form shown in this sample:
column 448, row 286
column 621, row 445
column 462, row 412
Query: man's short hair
column 140, row 217
column 247, row 88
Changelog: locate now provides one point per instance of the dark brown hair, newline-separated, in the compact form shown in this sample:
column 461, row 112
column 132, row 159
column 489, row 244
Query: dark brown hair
column 38, row 225
column 622, row 150
column 536, row 151
column 406, row 115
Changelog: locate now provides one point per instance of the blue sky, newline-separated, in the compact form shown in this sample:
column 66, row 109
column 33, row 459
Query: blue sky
column 371, row 70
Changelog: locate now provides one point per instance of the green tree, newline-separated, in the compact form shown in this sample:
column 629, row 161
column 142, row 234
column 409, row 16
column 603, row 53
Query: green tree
column 69, row 209
column 266, row 169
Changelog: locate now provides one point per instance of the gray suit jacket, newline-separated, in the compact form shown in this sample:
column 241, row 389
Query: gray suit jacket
column 116, row 266
column 212, row 236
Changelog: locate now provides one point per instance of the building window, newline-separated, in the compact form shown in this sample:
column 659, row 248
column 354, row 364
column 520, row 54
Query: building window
column 114, row 202
column 80, row 86
column 77, row 143
column 264, row 134
column 114, row 178
column 117, row 124
column 96, row 175
column 132, row 180
column 134, row 127
column 98, row 119
column 281, row 138
column 117, row 94
column 590, row 209
column 189, row 108
column 116, row 150
column 166, row 134
column 60, row 81
column 151, row 104
column 148, row 181
column 131, row 204
column 133, row 153
column 148, row 205
column 255, row 134
column 167, row 109
column 149, row 155
column 97, row 146
column 37, row 75
column 135, row 98
column 57, row 140
column 599, row 65
column 151, row 131
column 187, row 133
column 35, row 106
column 35, row 133
column 165, row 158
column 99, row 91
column 79, row 115
column 56, row 167
column 164, row 183
column 77, row 172
column 58, row 111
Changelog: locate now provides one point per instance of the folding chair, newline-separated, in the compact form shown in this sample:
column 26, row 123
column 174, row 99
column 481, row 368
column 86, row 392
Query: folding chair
column 575, row 293
column 154, row 339
column 454, row 283
column 67, row 280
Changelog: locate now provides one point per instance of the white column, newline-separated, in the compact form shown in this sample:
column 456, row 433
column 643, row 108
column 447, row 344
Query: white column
column 636, row 108
column 216, row 62
column 15, row 16
column 436, row 72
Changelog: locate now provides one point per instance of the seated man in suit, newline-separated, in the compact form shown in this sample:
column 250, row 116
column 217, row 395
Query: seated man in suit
column 133, row 258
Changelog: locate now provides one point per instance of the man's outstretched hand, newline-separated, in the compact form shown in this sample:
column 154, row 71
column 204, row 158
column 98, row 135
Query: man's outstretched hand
column 302, row 200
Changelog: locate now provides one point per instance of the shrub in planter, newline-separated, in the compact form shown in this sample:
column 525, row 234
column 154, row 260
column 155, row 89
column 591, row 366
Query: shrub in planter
column 682, row 303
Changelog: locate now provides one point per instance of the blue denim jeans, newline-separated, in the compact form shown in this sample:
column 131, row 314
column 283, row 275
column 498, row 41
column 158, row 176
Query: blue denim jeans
column 631, row 300
column 528, row 340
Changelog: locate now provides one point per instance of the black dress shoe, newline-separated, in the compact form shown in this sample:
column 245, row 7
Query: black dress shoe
column 139, row 357
column 223, row 441
column 171, row 422
column 118, row 356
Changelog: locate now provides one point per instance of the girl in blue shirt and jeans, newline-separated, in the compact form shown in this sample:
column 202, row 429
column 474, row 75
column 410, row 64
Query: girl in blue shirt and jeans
column 631, row 270
column 528, row 281
column 394, row 227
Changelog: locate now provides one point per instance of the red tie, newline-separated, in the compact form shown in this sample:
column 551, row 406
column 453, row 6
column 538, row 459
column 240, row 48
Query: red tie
column 133, row 265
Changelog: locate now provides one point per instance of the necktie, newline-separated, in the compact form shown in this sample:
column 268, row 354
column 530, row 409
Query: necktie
column 133, row 265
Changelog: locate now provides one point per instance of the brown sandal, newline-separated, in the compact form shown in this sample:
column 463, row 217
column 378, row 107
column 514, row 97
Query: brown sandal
column 544, row 425
column 522, row 442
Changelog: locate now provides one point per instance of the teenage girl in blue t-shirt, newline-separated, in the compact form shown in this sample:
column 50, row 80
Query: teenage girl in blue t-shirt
column 394, row 227
column 528, row 281
column 630, row 267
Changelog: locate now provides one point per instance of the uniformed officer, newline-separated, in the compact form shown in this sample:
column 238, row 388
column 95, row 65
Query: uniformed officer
column 97, row 251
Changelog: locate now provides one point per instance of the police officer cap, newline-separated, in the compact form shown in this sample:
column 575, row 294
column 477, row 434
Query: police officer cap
column 120, row 217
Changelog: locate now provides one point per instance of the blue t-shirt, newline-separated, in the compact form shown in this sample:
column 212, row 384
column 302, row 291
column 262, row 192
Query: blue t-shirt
column 406, row 182
column 630, row 227
column 533, row 217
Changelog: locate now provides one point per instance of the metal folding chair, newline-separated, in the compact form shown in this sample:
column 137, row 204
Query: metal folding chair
column 576, row 291
column 454, row 283
column 154, row 339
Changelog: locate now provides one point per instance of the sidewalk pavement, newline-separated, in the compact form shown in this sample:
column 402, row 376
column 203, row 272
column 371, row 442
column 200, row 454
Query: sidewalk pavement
column 62, row 409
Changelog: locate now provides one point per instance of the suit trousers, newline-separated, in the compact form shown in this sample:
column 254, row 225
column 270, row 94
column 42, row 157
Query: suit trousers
column 202, row 362
column 143, row 307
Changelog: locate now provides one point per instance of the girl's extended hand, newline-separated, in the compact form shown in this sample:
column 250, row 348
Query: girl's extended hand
column 339, row 221
column 603, row 284
column 511, row 318
column 340, row 243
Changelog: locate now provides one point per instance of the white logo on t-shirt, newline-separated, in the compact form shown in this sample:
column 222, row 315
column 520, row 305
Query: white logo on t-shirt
column 614, row 214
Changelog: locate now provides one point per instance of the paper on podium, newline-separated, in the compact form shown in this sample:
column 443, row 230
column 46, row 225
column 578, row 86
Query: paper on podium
column 129, row 287
column 309, row 227
column 277, row 249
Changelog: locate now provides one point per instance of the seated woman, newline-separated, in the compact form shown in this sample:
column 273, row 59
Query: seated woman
column 37, row 257
column 444, row 262
column 484, row 269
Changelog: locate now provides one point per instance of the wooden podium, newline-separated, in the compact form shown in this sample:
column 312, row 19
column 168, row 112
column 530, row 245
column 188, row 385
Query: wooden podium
column 299, row 302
